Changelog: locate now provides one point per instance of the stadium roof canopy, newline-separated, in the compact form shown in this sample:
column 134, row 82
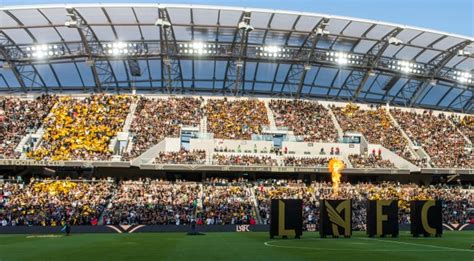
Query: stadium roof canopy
column 231, row 51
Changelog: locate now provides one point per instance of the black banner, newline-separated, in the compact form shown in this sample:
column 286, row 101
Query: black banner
column 286, row 218
column 426, row 218
column 335, row 218
column 382, row 218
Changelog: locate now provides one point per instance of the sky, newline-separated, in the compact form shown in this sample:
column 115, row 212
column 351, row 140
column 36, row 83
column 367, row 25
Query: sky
column 452, row 16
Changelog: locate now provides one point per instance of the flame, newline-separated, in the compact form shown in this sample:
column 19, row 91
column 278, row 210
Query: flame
column 335, row 167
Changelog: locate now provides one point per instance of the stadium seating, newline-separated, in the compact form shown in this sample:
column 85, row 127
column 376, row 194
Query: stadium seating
column 438, row 137
column 244, row 160
column 215, row 201
column 156, row 119
column 237, row 119
column 376, row 126
column 307, row 119
column 370, row 161
column 306, row 161
column 52, row 202
column 18, row 117
column 81, row 129
column 226, row 203
column 466, row 125
column 182, row 157
column 153, row 202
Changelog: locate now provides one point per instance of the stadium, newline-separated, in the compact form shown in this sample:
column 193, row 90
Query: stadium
column 126, row 127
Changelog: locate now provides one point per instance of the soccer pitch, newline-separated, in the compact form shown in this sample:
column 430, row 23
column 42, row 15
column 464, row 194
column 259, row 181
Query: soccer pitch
column 234, row 246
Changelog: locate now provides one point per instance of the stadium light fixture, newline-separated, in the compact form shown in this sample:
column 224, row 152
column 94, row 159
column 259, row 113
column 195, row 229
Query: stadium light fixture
column 245, row 26
column 406, row 67
column 395, row 41
column 122, row 49
column 162, row 23
column 273, row 51
column 343, row 58
column 197, row 48
column 463, row 77
column 44, row 51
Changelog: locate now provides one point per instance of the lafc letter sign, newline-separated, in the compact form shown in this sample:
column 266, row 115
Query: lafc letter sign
column 286, row 218
column 382, row 218
column 426, row 218
column 335, row 218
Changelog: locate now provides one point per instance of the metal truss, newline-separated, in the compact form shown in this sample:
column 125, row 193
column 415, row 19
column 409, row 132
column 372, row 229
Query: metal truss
column 436, row 65
column 26, row 74
column 104, row 76
column 407, row 92
column 235, row 70
column 172, row 76
column 464, row 101
column 373, row 57
column 296, row 75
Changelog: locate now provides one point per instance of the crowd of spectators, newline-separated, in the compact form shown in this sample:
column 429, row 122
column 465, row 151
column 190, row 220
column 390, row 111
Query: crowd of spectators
column 81, row 129
column 370, row 161
column 438, row 137
column 221, row 201
column 156, row 119
column 305, row 118
column 266, row 191
column 237, row 119
column 226, row 203
column 243, row 160
column 456, row 201
column 376, row 126
column 466, row 125
column 18, row 117
column 182, row 157
column 153, row 202
column 306, row 161
column 53, row 202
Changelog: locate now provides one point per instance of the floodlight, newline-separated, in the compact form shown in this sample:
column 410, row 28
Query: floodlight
column 343, row 58
column 121, row 48
column 44, row 51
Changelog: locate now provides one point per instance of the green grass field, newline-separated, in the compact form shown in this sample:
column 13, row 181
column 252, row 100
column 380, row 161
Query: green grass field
column 234, row 246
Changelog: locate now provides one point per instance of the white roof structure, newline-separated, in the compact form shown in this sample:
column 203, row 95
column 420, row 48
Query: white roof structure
column 202, row 49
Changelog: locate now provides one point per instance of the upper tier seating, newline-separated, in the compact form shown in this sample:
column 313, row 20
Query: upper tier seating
column 307, row 119
column 465, row 125
column 376, row 126
column 156, row 119
column 81, row 129
column 237, row 119
column 17, row 117
column 438, row 137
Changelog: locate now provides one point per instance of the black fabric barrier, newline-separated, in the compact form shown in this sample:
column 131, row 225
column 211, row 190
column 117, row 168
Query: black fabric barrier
column 286, row 218
column 171, row 228
column 426, row 218
column 382, row 218
column 134, row 229
column 335, row 218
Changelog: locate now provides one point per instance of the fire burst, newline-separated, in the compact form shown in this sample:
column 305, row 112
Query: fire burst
column 335, row 167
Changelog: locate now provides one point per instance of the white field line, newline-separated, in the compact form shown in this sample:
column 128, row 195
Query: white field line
column 437, row 248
